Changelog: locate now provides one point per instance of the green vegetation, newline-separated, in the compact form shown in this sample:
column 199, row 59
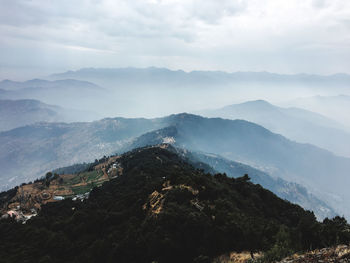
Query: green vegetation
column 87, row 177
column 91, row 176
column 163, row 210
column 73, row 169
column 74, row 180
column 82, row 189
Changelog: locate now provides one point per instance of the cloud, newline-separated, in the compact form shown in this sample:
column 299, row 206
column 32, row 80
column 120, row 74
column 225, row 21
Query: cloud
column 188, row 34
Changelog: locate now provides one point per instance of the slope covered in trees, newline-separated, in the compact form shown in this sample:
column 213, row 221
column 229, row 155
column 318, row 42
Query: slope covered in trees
column 162, row 209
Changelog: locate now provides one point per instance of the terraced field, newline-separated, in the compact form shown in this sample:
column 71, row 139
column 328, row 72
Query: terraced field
column 58, row 187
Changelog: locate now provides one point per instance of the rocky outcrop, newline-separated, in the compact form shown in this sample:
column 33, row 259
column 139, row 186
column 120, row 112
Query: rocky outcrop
column 339, row 254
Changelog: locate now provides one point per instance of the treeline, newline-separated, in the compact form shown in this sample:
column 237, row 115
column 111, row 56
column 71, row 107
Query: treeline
column 199, row 216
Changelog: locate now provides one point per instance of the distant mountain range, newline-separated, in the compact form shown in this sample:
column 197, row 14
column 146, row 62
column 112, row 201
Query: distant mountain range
column 335, row 107
column 68, row 93
column 47, row 84
column 17, row 113
column 152, row 92
column 294, row 123
column 28, row 152
column 180, row 77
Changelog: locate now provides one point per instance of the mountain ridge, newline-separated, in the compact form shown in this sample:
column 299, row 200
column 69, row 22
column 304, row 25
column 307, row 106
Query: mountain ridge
column 162, row 209
column 18, row 113
column 238, row 140
column 294, row 123
column 42, row 83
column 160, row 69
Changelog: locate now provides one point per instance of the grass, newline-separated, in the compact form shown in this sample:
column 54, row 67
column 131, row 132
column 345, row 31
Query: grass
column 82, row 189
column 74, row 180
column 87, row 176
column 91, row 176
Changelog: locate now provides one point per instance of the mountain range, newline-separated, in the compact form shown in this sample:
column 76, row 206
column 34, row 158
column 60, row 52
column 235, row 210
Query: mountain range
column 17, row 113
column 30, row 151
column 46, row 84
column 152, row 92
column 68, row 93
column 294, row 123
column 336, row 107
column 160, row 208
column 290, row 191
column 179, row 77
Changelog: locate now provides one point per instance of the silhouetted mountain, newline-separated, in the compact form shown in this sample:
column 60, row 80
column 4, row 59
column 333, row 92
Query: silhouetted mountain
column 161, row 209
column 17, row 113
column 294, row 123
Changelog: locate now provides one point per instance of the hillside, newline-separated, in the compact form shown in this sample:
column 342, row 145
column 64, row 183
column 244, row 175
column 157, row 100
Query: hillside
column 331, row 254
column 79, row 179
column 335, row 107
column 162, row 209
column 17, row 113
column 27, row 199
column 29, row 152
column 286, row 190
column 67, row 93
column 294, row 123
column 46, row 84
column 242, row 141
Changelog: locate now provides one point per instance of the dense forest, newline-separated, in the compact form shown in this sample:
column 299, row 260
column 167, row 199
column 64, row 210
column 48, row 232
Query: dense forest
column 162, row 209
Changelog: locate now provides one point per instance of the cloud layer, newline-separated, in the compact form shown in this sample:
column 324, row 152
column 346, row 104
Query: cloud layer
column 311, row 36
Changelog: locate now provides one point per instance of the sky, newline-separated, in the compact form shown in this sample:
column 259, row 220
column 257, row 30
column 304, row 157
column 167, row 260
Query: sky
column 40, row 37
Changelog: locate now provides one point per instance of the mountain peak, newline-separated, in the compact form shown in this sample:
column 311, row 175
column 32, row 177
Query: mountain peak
column 253, row 104
column 258, row 102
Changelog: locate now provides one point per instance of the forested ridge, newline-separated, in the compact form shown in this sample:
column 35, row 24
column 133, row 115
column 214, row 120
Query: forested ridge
column 162, row 209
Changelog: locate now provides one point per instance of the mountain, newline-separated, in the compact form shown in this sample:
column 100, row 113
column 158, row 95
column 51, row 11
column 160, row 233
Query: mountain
column 331, row 254
column 294, row 123
column 28, row 152
column 68, row 93
column 152, row 92
column 179, row 77
column 17, row 113
column 335, row 107
column 46, row 84
column 290, row 191
column 212, row 163
column 322, row 172
column 161, row 209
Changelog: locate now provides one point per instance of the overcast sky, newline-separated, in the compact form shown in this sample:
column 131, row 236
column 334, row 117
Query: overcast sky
column 291, row 36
